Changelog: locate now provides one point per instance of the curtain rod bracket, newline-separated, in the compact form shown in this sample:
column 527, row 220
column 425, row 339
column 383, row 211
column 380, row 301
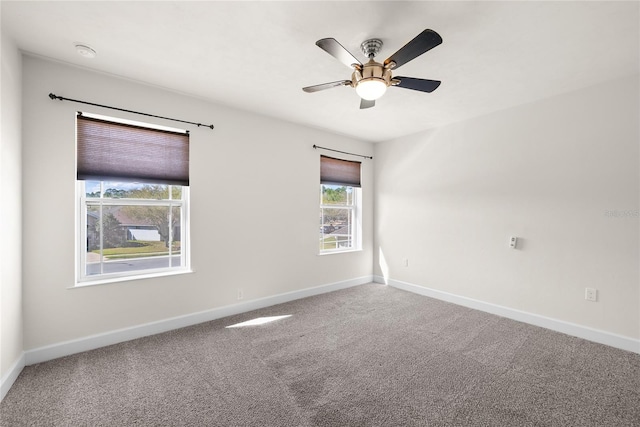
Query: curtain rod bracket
column 61, row 98
column 343, row 152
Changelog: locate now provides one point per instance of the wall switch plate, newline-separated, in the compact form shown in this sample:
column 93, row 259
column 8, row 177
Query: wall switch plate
column 591, row 294
column 513, row 242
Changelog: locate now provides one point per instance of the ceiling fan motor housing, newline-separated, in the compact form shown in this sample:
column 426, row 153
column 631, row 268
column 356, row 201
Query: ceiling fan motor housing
column 372, row 70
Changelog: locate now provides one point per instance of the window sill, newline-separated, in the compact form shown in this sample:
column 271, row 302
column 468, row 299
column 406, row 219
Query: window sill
column 109, row 280
column 339, row 252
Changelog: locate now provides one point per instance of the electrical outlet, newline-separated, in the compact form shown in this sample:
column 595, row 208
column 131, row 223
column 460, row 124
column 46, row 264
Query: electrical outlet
column 240, row 294
column 591, row 294
column 405, row 262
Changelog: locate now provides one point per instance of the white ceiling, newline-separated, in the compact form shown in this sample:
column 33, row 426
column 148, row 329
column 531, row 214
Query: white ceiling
column 257, row 56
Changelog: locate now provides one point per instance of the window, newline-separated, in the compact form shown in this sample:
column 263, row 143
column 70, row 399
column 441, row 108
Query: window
column 132, row 186
column 340, row 201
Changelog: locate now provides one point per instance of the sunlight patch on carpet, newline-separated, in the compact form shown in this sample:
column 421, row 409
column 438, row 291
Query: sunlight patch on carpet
column 259, row 321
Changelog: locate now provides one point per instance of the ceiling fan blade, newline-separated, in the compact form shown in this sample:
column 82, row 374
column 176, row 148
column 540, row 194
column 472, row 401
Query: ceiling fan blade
column 422, row 85
column 426, row 40
column 323, row 86
column 366, row 104
column 335, row 49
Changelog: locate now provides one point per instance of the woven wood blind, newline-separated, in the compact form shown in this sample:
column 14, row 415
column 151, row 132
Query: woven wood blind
column 339, row 172
column 108, row 150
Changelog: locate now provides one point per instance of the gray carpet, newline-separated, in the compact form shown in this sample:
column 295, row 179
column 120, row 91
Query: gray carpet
column 365, row 356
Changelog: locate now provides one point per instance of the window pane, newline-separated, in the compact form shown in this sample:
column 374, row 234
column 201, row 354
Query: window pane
column 336, row 228
column 176, row 259
column 135, row 190
column 176, row 192
column 133, row 238
column 92, row 188
column 93, row 233
column 149, row 191
column 336, row 195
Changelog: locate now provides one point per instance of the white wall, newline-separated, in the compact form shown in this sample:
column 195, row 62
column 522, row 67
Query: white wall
column 254, row 209
column 10, row 213
column 554, row 173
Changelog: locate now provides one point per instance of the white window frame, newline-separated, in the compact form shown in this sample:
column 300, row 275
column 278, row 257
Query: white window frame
column 82, row 279
column 356, row 219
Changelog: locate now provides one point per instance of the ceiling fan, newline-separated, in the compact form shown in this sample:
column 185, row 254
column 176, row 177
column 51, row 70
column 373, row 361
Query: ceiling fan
column 372, row 79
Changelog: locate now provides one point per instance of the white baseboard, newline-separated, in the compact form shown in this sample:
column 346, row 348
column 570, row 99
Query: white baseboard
column 10, row 377
column 590, row 334
column 92, row 342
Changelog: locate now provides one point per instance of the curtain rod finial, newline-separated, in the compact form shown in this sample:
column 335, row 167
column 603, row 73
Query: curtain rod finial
column 53, row 96
column 207, row 126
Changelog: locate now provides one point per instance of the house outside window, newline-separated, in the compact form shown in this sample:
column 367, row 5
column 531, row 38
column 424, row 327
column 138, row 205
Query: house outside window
column 130, row 228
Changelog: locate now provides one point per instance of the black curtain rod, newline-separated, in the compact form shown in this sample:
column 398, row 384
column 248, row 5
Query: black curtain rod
column 53, row 96
column 343, row 152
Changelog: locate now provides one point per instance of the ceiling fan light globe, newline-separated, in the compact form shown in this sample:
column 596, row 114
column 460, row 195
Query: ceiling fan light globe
column 371, row 88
